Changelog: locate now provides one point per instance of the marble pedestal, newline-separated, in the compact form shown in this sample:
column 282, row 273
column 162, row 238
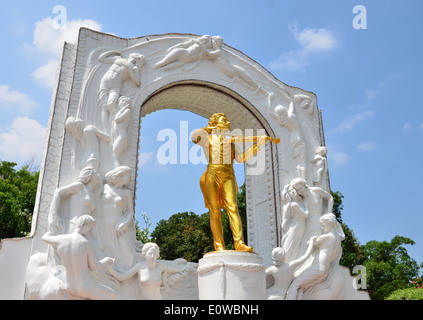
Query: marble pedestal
column 231, row 275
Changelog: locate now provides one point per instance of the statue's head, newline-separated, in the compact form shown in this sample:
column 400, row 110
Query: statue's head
column 85, row 223
column 219, row 121
column 137, row 59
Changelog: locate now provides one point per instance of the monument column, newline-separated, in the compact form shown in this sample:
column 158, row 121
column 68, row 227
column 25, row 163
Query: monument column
column 231, row 275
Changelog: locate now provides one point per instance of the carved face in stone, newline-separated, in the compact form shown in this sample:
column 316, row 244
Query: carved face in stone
column 299, row 185
column 293, row 193
column 124, row 102
column 137, row 59
column 327, row 222
column 151, row 252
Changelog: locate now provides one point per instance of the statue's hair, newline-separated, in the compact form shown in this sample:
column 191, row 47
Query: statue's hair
column 298, row 181
column 214, row 119
column 111, row 175
column 147, row 246
column 75, row 126
column 86, row 174
column 84, row 220
column 331, row 218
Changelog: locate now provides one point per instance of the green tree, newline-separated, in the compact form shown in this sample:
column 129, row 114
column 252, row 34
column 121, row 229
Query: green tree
column 18, row 189
column 352, row 251
column 187, row 235
column 386, row 262
column 143, row 234
column 183, row 235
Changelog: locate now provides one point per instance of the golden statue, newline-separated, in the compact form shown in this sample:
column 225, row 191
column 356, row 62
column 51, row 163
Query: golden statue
column 218, row 183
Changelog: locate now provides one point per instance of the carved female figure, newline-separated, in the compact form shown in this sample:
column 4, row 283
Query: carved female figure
column 149, row 272
column 118, row 226
column 110, row 86
column 230, row 70
column 184, row 53
column 120, row 126
column 293, row 222
column 77, row 256
column 281, row 274
column 72, row 201
column 88, row 137
column 317, row 201
column 286, row 118
column 326, row 256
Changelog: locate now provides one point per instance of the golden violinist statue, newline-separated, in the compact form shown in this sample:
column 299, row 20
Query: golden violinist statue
column 218, row 183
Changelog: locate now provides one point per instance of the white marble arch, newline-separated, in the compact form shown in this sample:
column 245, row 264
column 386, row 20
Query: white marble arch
column 199, row 86
column 219, row 77
column 262, row 189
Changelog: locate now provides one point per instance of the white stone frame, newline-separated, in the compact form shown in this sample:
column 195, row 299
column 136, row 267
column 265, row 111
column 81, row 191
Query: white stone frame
column 244, row 107
column 75, row 95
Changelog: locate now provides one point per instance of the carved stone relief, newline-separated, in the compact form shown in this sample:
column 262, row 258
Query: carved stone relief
column 88, row 198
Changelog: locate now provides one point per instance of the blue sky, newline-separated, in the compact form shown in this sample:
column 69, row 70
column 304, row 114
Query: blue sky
column 367, row 81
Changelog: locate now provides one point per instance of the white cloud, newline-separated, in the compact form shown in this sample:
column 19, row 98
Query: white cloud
column 351, row 123
column 421, row 126
column 45, row 74
column 48, row 43
column 15, row 100
column 316, row 40
column 406, row 127
column 312, row 41
column 366, row 146
column 49, row 38
column 22, row 141
column 373, row 93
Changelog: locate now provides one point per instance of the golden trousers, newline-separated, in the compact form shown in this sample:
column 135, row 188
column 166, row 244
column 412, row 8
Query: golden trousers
column 220, row 189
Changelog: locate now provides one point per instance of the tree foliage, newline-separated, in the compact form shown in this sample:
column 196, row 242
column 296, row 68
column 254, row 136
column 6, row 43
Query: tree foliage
column 406, row 294
column 18, row 190
column 183, row 235
column 352, row 251
column 187, row 235
column 387, row 262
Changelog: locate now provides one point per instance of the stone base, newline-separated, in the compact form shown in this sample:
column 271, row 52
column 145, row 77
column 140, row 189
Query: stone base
column 231, row 275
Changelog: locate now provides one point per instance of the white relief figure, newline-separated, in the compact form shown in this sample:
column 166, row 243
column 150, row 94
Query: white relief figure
column 320, row 165
column 294, row 215
column 218, row 55
column 122, row 69
column 287, row 118
column 120, row 124
column 317, row 202
column 72, row 201
column 118, row 225
column 305, row 102
column 149, row 271
column 89, row 138
column 281, row 274
column 184, row 53
column 323, row 278
column 77, row 256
